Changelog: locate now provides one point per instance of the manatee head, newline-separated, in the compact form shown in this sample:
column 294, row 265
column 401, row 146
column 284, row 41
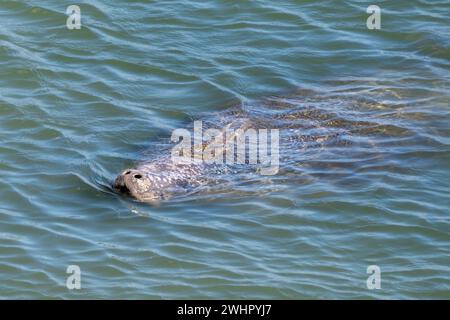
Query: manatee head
column 138, row 184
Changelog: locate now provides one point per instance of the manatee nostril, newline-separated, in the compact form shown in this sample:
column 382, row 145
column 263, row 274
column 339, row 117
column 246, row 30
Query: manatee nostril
column 138, row 176
column 128, row 172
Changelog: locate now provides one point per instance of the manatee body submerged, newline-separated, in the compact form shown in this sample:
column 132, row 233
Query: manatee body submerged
column 310, row 129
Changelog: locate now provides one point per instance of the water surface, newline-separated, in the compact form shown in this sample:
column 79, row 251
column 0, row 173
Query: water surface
column 78, row 106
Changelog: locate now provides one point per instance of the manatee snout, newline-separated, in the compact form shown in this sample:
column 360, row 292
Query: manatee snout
column 126, row 181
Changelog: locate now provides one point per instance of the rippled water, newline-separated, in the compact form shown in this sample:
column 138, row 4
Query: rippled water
column 78, row 106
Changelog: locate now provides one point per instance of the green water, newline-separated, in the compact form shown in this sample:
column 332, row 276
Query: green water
column 78, row 106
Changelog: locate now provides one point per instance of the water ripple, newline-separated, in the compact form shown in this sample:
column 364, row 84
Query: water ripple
column 365, row 149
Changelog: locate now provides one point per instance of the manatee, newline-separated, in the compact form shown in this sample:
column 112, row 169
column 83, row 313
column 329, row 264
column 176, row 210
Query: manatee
column 312, row 128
